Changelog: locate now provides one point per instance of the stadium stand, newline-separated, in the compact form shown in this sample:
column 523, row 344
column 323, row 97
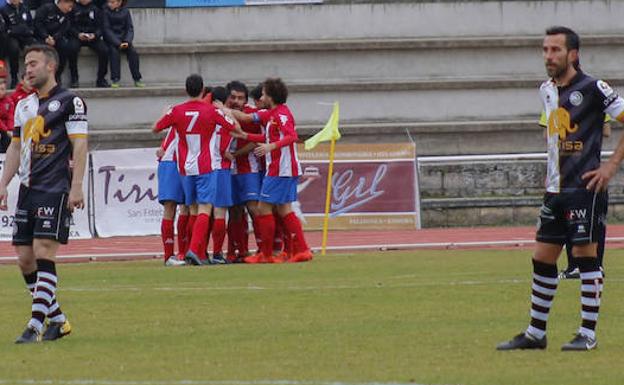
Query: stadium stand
column 458, row 87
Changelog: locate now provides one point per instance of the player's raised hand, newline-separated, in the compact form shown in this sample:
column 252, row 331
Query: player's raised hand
column 76, row 198
column 4, row 196
column 599, row 178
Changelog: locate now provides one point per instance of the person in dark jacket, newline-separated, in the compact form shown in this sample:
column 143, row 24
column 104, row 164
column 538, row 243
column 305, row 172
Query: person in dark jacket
column 86, row 31
column 4, row 38
column 35, row 4
column 52, row 27
column 118, row 34
column 20, row 32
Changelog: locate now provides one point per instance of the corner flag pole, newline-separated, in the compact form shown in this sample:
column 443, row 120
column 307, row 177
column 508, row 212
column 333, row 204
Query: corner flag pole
column 330, row 172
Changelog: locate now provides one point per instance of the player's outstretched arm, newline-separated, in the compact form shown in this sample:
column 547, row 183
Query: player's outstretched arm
column 79, row 157
column 11, row 164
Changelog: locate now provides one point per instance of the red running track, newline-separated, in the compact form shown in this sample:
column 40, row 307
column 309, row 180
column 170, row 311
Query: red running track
column 439, row 238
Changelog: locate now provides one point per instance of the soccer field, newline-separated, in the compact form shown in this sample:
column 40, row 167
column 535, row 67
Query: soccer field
column 426, row 317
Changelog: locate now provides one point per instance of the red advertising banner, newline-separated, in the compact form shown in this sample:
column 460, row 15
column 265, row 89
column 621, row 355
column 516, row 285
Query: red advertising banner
column 374, row 186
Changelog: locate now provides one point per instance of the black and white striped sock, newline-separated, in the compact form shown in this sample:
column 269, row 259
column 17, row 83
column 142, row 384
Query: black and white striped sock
column 55, row 314
column 591, row 291
column 44, row 294
column 545, row 280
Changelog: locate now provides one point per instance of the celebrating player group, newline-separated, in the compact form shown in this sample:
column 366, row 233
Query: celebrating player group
column 222, row 155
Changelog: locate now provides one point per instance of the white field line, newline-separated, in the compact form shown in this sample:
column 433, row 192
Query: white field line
column 382, row 247
column 297, row 288
column 193, row 382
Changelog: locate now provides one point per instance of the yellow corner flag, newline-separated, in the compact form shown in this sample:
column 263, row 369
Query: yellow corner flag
column 329, row 132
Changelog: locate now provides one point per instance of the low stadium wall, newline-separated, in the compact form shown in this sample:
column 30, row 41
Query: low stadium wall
column 374, row 187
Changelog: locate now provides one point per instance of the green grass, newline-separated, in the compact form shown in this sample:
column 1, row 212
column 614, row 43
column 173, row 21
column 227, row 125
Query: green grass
column 429, row 317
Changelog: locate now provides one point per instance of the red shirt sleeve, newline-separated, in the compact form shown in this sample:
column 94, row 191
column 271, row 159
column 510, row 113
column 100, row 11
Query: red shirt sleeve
column 286, row 125
column 224, row 121
column 165, row 122
column 262, row 116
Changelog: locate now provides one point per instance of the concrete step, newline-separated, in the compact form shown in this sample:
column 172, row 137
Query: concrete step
column 374, row 20
column 361, row 101
column 431, row 138
column 340, row 60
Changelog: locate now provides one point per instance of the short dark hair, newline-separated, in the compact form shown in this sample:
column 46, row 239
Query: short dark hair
column 49, row 52
column 276, row 89
column 573, row 41
column 194, row 85
column 206, row 91
column 237, row 86
column 256, row 92
column 219, row 93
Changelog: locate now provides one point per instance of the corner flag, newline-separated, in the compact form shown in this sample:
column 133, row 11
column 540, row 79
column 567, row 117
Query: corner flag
column 329, row 132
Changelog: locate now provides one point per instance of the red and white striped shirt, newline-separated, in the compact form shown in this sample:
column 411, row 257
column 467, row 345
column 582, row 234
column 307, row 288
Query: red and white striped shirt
column 279, row 126
column 203, row 136
column 248, row 163
column 169, row 145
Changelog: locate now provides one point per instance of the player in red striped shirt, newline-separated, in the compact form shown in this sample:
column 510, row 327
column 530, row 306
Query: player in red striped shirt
column 279, row 187
column 203, row 131
column 170, row 195
column 247, row 172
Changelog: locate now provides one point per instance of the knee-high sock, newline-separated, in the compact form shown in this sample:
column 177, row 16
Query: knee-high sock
column 189, row 230
column 218, row 235
column 591, row 291
column 166, row 234
column 200, row 229
column 545, row 280
column 55, row 314
column 280, row 234
column 244, row 246
column 231, row 230
column 266, row 225
column 182, row 233
column 257, row 232
column 295, row 230
column 44, row 294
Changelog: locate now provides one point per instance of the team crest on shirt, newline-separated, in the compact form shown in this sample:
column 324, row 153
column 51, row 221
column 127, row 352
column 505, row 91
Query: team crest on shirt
column 576, row 98
column 54, row 106
column 283, row 119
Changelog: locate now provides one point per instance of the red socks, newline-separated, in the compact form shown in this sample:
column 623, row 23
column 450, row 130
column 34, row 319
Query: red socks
column 166, row 233
column 218, row 235
column 279, row 234
column 257, row 233
column 200, row 230
column 189, row 231
column 237, row 237
column 294, row 229
column 182, row 233
column 266, row 225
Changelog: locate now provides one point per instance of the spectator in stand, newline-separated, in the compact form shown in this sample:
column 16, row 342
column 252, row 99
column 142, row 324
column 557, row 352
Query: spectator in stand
column 118, row 34
column 4, row 40
column 52, row 27
column 6, row 117
column 86, row 31
column 20, row 31
column 22, row 90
